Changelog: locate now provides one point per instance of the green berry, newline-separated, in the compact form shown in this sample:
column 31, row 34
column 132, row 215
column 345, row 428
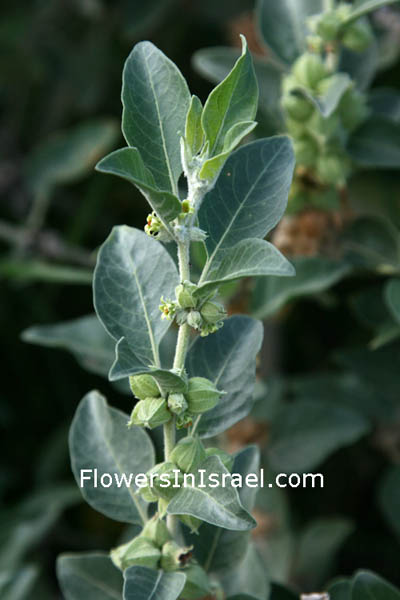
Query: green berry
column 353, row 109
column 358, row 36
column 184, row 294
column 194, row 319
column 202, row 395
column 297, row 107
column 156, row 531
column 140, row 551
column 306, row 151
column 174, row 557
column 188, row 454
column 144, row 386
column 332, row 168
column 212, row 312
column 150, row 413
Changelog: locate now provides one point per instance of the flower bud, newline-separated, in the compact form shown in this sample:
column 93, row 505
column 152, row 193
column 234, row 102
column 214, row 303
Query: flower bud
column 156, row 531
column 150, row 413
column 332, row 168
column 297, row 107
column 177, row 403
column 309, row 69
column 139, row 551
column 353, row 109
column 326, row 25
column 358, row 36
column 306, row 151
column 184, row 294
column 226, row 459
column 163, row 477
column 197, row 583
column 174, row 557
column 213, row 312
column 188, row 453
column 144, row 386
column 194, row 319
column 193, row 523
column 202, row 395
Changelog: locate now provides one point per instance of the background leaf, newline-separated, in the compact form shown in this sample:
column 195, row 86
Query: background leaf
column 376, row 143
column 89, row 576
column 313, row 275
column 100, row 439
column 367, row 584
column 389, row 497
column 305, row 433
column 283, row 26
column 142, row 583
column 227, row 357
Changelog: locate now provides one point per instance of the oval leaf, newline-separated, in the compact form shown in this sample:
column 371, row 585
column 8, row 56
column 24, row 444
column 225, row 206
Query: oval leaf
column 89, row 576
column 142, row 583
column 100, row 439
column 228, row 358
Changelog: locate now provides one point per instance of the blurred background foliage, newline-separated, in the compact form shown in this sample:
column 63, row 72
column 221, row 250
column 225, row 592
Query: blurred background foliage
column 329, row 372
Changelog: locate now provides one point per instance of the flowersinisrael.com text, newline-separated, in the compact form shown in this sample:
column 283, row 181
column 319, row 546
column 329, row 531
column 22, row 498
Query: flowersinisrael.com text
column 199, row 479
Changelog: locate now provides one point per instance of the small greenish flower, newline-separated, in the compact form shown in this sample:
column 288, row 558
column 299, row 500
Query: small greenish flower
column 188, row 454
column 168, row 309
column 174, row 557
column 332, row 168
column 185, row 294
column 139, row 551
column 202, row 395
column 185, row 420
column 155, row 228
column 144, row 386
column 150, row 413
column 156, row 531
column 177, row 403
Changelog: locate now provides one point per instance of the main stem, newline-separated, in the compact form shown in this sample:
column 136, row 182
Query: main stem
column 179, row 364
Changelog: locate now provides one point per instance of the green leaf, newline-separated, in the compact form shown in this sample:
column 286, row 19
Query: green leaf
column 283, row 26
column 304, row 433
column 385, row 102
column 249, row 197
column 194, row 134
column 340, row 590
column 100, row 439
column 278, row 592
column 127, row 364
column 315, row 553
column 85, row 337
column 233, row 101
column 89, row 576
column 151, row 122
column 142, row 583
column 249, row 258
column 389, row 497
column 313, row 275
column 128, row 164
column 228, row 358
column 366, row 6
column 18, row 585
column 328, row 102
column 392, row 297
column 216, row 63
column 361, row 66
column 250, row 576
column 376, row 144
column 29, row 271
column 128, row 287
column 218, row 506
column 212, row 166
column 368, row 585
column 68, row 156
column 220, row 549
column 372, row 242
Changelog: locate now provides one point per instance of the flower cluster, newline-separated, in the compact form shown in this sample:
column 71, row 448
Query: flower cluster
column 202, row 314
